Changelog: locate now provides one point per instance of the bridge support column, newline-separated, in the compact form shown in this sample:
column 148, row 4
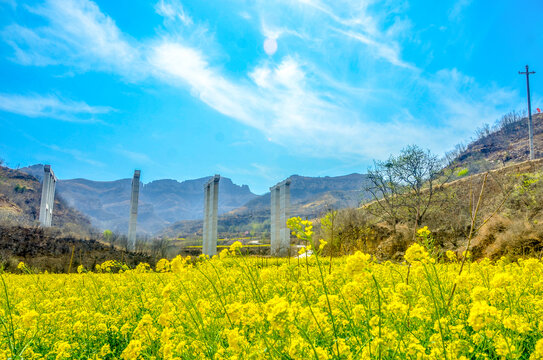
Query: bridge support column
column 280, row 206
column 47, row 196
column 211, row 209
column 133, row 211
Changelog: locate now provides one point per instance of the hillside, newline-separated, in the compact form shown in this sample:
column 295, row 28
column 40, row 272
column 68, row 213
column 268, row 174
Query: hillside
column 506, row 144
column 309, row 196
column 20, row 196
column 161, row 202
column 510, row 213
column 49, row 250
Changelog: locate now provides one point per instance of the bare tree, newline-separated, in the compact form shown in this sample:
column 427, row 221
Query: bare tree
column 452, row 156
column 404, row 187
column 483, row 131
column 385, row 191
column 161, row 247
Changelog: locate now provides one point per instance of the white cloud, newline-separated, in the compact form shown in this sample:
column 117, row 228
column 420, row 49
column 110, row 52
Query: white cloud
column 37, row 106
column 278, row 102
column 351, row 19
column 356, row 13
column 78, row 34
column 464, row 103
column 292, row 101
column 275, row 32
column 389, row 52
column 173, row 10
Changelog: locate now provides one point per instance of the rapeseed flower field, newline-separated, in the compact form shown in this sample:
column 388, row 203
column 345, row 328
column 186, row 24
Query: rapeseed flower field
column 237, row 307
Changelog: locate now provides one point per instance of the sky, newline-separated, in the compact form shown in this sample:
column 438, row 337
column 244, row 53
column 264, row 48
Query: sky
column 255, row 90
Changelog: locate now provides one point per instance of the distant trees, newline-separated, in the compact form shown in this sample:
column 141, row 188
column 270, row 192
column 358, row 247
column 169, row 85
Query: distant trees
column 404, row 186
column 452, row 155
column 483, row 131
column 161, row 247
column 507, row 121
column 506, row 124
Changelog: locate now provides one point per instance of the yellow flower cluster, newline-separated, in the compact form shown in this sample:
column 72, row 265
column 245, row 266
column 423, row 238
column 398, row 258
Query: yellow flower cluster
column 423, row 232
column 239, row 307
column 416, row 253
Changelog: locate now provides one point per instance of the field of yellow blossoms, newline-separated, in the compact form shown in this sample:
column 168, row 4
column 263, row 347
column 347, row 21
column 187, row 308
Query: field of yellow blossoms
column 238, row 307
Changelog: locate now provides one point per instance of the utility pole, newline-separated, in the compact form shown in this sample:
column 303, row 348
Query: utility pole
column 530, row 125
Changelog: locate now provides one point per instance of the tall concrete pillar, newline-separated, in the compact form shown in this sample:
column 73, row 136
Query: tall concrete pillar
column 205, row 232
column 274, row 212
column 47, row 196
column 211, row 209
column 133, row 211
column 280, row 206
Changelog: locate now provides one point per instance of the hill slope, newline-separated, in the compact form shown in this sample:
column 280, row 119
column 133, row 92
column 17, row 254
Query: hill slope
column 49, row 250
column 506, row 145
column 20, row 196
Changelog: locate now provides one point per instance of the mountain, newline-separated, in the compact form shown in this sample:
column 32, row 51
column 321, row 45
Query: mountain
column 309, row 197
column 20, row 197
column 161, row 202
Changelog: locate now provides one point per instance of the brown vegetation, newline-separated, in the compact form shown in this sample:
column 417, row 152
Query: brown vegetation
column 509, row 220
column 47, row 250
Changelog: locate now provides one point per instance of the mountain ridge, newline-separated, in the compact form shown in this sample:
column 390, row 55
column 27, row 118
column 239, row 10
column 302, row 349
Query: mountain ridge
column 161, row 202
column 166, row 203
column 310, row 196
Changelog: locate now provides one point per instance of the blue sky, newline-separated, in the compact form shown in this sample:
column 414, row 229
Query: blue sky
column 254, row 90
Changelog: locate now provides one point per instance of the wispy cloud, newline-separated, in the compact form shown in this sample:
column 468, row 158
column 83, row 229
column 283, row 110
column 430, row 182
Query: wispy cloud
column 173, row 10
column 76, row 154
column 134, row 156
column 457, row 9
column 254, row 169
column 465, row 103
column 291, row 100
column 10, row 3
column 389, row 52
column 279, row 101
column 350, row 19
column 38, row 106
column 77, row 34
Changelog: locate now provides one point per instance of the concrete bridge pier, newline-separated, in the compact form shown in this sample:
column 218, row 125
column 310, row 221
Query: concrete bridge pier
column 134, row 210
column 280, row 206
column 47, row 196
column 211, row 209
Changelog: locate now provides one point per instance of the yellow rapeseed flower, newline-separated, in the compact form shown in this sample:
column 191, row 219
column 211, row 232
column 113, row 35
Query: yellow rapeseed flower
column 415, row 253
